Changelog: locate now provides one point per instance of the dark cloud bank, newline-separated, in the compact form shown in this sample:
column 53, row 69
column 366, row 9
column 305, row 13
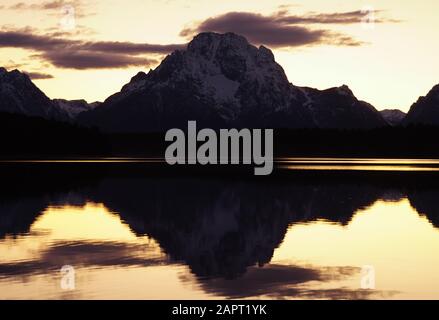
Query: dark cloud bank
column 77, row 54
column 282, row 29
column 278, row 30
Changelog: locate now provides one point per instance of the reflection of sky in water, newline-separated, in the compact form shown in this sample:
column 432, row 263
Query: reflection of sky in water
column 332, row 164
column 319, row 259
column 109, row 260
column 358, row 164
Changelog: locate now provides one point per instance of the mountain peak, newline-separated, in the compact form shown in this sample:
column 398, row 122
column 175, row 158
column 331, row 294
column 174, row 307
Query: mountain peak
column 232, row 53
column 434, row 91
column 222, row 81
column 18, row 94
column 426, row 110
column 16, row 76
column 209, row 41
column 344, row 89
column 267, row 53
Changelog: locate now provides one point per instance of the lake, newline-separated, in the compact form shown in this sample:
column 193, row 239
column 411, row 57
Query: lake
column 135, row 229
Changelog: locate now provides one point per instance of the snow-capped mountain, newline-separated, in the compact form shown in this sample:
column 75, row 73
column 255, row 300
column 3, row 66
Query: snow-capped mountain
column 426, row 110
column 74, row 107
column 393, row 117
column 19, row 95
column 339, row 108
column 221, row 81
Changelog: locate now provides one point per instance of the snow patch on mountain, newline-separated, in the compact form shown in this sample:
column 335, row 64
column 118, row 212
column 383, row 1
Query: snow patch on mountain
column 224, row 87
column 74, row 107
column 18, row 94
column 393, row 117
column 221, row 80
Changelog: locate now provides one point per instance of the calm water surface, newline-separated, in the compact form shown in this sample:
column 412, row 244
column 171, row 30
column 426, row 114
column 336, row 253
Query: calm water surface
column 193, row 238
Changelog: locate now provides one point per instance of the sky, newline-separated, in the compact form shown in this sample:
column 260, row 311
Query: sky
column 384, row 50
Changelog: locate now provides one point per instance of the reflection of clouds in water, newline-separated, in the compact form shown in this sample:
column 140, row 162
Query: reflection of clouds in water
column 71, row 231
column 84, row 254
column 287, row 282
column 220, row 229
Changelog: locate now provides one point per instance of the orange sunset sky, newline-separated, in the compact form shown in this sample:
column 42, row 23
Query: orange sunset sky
column 90, row 49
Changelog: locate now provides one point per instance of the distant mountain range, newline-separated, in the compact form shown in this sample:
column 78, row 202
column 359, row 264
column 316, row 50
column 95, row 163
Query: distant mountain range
column 220, row 80
column 393, row 117
column 19, row 95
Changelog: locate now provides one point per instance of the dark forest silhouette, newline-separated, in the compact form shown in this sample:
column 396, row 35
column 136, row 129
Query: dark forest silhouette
column 32, row 137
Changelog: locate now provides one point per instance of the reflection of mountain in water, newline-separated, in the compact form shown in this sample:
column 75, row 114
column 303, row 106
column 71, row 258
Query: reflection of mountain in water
column 221, row 227
column 425, row 202
column 17, row 215
column 218, row 227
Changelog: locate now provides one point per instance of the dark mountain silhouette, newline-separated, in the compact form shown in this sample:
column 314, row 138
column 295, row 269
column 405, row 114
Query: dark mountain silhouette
column 338, row 108
column 425, row 111
column 221, row 80
column 424, row 200
column 32, row 125
column 394, row 117
column 17, row 215
column 19, row 95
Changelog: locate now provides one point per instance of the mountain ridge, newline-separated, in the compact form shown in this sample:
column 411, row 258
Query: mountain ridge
column 74, row 107
column 220, row 80
column 18, row 94
column 425, row 110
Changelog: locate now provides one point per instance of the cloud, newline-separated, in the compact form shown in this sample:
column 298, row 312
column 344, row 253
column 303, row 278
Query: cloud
column 79, row 30
column 39, row 75
column 80, row 7
column 26, row 40
column 282, row 29
column 82, row 60
column 288, row 281
column 11, row 64
column 79, row 54
column 349, row 17
column 82, row 253
column 18, row 6
column 278, row 30
column 131, row 48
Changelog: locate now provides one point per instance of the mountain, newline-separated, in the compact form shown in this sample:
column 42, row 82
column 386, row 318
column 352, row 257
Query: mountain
column 426, row 110
column 74, row 107
column 19, row 95
column 222, row 81
column 339, row 108
column 393, row 117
